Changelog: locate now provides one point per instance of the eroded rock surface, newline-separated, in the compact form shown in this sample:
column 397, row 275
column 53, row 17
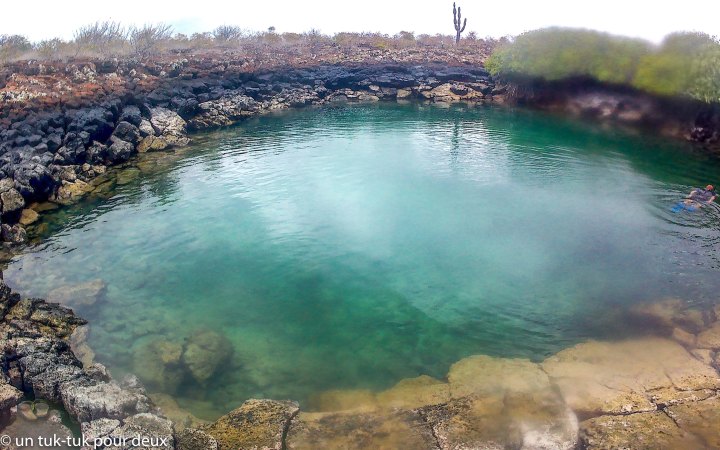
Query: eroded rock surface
column 357, row 431
column 257, row 424
column 597, row 378
column 647, row 431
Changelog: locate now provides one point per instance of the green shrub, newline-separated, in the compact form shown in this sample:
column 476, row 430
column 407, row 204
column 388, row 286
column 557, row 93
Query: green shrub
column 685, row 64
column 13, row 47
column 558, row 53
column 677, row 66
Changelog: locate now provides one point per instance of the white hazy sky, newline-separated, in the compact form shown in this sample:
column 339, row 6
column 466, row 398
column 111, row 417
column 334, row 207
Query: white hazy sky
column 41, row 19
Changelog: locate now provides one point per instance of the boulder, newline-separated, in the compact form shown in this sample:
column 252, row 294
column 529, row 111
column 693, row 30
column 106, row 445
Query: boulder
column 28, row 217
column 158, row 364
column 15, row 234
column 257, row 424
column 205, row 352
column 152, row 143
column 169, row 125
column 12, row 202
column 146, row 128
column 88, row 400
column 69, row 193
column 128, row 132
column 131, row 114
column 119, row 150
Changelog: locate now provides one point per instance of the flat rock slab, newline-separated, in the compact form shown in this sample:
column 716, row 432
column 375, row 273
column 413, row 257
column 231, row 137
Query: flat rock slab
column 486, row 403
column 644, row 431
column 485, row 375
column 538, row 421
column 407, row 394
column 359, row 431
column 597, row 378
column 700, row 418
column 257, row 424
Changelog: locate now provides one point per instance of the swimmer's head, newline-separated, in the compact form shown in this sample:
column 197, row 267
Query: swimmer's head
column 709, row 187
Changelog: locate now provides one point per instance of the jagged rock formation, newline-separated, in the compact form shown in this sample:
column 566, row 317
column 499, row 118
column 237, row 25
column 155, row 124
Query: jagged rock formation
column 36, row 359
column 57, row 152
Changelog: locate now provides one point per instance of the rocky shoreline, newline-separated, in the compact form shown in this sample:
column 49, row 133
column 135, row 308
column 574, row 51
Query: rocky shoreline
column 677, row 118
column 656, row 392
column 52, row 147
column 63, row 126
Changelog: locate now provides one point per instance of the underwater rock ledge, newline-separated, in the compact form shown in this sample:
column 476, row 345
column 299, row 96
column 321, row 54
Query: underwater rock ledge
column 652, row 392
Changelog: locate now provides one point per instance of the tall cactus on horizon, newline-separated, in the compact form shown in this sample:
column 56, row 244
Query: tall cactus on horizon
column 457, row 19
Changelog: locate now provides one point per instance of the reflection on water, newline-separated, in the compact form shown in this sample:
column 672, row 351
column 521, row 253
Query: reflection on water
column 350, row 247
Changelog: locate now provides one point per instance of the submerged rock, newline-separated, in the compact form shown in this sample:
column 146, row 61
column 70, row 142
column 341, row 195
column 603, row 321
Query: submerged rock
column 158, row 364
column 597, row 378
column 204, row 353
column 79, row 295
column 79, row 344
column 179, row 416
column 28, row 216
column 70, row 192
column 710, row 338
column 671, row 313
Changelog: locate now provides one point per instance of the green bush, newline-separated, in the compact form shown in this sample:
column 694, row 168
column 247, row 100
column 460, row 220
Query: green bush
column 685, row 64
column 13, row 47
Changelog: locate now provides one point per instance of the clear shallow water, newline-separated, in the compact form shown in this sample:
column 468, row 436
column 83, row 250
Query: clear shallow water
column 350, row 247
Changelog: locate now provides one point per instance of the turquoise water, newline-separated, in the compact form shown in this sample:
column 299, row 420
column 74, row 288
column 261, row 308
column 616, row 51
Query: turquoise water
column 352, row 246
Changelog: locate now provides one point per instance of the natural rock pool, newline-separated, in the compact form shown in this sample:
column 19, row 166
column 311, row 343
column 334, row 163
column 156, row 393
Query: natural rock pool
column 348, row 247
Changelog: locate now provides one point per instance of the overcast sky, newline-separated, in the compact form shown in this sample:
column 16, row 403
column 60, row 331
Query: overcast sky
column 41, row 19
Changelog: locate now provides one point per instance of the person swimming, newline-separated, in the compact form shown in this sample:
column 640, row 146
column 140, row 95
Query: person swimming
column 698, row 198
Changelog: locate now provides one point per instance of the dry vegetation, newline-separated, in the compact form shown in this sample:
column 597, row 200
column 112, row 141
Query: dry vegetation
column 112, row 39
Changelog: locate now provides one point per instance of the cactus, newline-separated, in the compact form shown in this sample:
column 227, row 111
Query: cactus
column 457, row 19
